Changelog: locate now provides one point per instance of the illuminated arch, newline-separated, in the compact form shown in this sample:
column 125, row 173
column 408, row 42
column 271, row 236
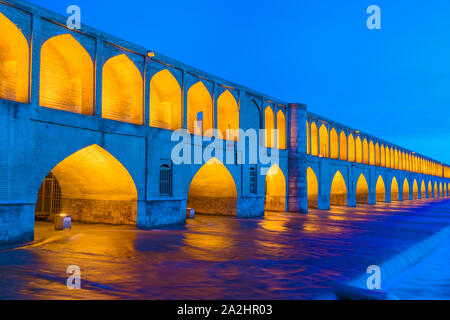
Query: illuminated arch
column 396, row 158
column 382, row 157
column 405, row 189
column 270, row 127
column 365, row 152
column 314, row 141
column 308, row 139
column 66, row 76
column 338, row 193
column 14, row 62
column 430, row 190
column 313, row 188
column 343, row 146
column 199, row 109
column 324, row 143
column 359, row 150
column 166, row 111
column 275, row 189
column 380, row 190
column 362, row 190
column 96, row 188
column 394, row 189
column 213, row 190
column 423, row 190
column 392, row 158
column 334, row 144
column 281, row 129
column 377, row 155
column 441, row 191
column 371, row 154
column 228, row 115
column 351, row 148
column 436, row 191
column 415, row 190
column 388, row 157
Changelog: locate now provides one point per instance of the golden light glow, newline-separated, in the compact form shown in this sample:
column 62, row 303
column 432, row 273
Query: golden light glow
column 441, row 191
column 269, row 126
column 338, row 194
column 362, row 190
column 165, row 101
column 430, row 190
column 377, row 155
column 199, row 102
column 405, row 190
column 67, row 76
column 380, row 190
column 343, row 146
column 313, row 188
column 351, row 148
column 14, row 62
column 371, row 154
column 324, row 142
column 314, row 142
column 365, row 152
column 275, row 189
column 436, row 191
column 388, row 157
column 394, row 190
column 423, row 190
column 281, row 127
column 213, row 190
column 122, row 91
column 228, row 115
column 334, row 144
column 382, row 156
column 392, row 158
column 415, row 190
column 359, row 150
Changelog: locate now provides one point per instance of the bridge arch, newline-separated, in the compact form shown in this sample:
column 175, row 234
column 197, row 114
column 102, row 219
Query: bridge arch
column 324, row 141
column 166, row 111
column 382, row 156
column 388, row 157
column 365, row 151
column 281, row 129
column 66, row 76
column 423, row 190
column 199, row 109
column 275, row 189
column 405, row 189
column 394, row 190
column 213, row 190
column 430, row 190
column 314, row 140
column 359, row 150
column 441, row 191
column 377, row 155
column 371, row 153
column 313, row 187
column 334, row 144
column 351, row 148
column 436, row 191
column 362, row 190
column 338, row 192
column 269, row 125
column 122, row 90
column 380, row 190
column 228, row 115
column 14, row 62
column 415, row 190
column 343, row 146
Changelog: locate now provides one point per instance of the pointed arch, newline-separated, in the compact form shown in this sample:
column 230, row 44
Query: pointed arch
column 199, row 109
column 405, row 189
column 392, row 158
column 14, row 62
column 324, row 141
column 396, row 158
column 359, row 150
column 313, row 188
column 314, row 140
column 441, row 191
column 380, row 190
column 270, row 127
column 213, row 190
column 338, row 193
column 371, row 153
column 281, row 130
column 275, row 189
column 166, row 111
column 382, row 156
column 430, row 190
column 394, row 189
column 388, row 157
column 415, row 190
column 436, row 191
column 377, row 155
column 351, row 148
column 365, row 152
column 334, row 144
column 66, row 76
column 362, row 190
column 343, row 146
column 228, row 116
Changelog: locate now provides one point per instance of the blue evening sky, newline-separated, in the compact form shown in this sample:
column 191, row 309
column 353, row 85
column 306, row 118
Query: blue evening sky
column 393, row 83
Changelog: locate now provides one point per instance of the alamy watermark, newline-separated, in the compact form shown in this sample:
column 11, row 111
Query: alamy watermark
column 74, row 19
column 374, row 20
column 74, row 279
column 374, row 280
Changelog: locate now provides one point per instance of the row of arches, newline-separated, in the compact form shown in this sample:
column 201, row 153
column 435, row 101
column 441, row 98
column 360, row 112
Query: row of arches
column 329, row 144
column 339, row 190
column 275, row 126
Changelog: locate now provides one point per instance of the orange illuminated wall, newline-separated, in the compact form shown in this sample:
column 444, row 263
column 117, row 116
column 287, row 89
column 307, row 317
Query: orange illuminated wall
column 14, row 62
column 394, row 190
column 314, row 139
column 334, row 144
column 415, row 190
column 365, row 152
column 359, row 150
column 324, row 142
column 382, row 156
column 362, row 190
column 122, row 93
column 313, row 188
column 165, row 101
column 371, row 154
column 281, row 129
column 405, row 190
column 275, row 190
column 269, row 126
column 199, row 102
column 351, row 148
column 67, row 76
column 228, row 116
column 343, row 146
column 423, row 190
column 380, row 190
column 338, row 193
column 377, row 155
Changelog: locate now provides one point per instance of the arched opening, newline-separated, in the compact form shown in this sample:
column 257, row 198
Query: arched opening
column 382, row 157
column 308, row 139
column 392, row 158
column 371, row 154
column 362, row 190
column 388, row 158
column 405, row 190
column 122, row 90
column 365, row 152
column 441, row 191
column 359, row 150
column 14, row 62
column 313, row 188
column 334, row 144
column 275, row 190
column 269, row 126
column 66, row 76
column 430, row 190
column 415, row 190
column 281, row 129
column 394, row 189
column 396, row 158
column 423, row 190
column 436, row 191
column 199, row 109
column 338, row 193
column 165, row 101
column 90, row 185
column 343, row 146
column 351, row 148
column 314, row 143
column 324, row 142
column 377, row 155
column 380, row 190
column 228, row 116
column 213, row 190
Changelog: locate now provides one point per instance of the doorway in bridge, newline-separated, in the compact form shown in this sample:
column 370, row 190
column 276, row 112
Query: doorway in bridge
column 313, row 188
column 405, row 190
column 275, row 190
column 338, row 193
column 362, row 190
column 90, row 185
column 394, row 189
column 213, row 190
column 415, row 190
column 380, row 190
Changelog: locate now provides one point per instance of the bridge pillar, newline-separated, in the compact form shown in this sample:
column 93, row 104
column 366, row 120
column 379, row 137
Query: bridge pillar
column 372, row 186
column 298, row 192
column 351, row 192
column 323, row 198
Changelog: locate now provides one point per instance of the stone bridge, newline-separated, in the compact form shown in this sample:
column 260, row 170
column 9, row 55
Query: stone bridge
column 88, row 123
